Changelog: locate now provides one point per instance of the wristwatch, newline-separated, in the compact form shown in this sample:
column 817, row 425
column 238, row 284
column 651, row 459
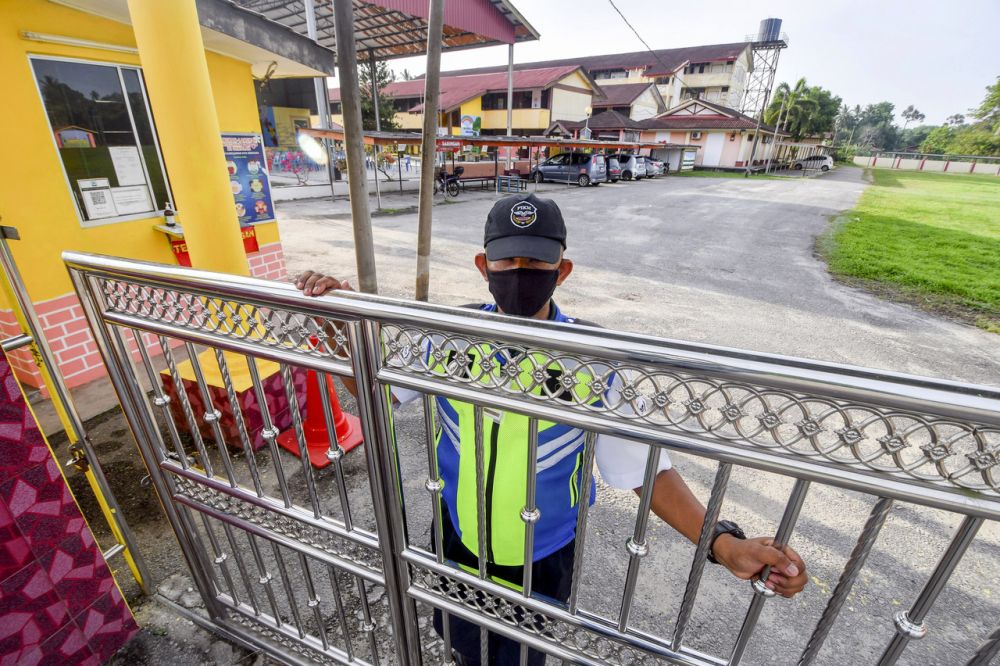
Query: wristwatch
column 723, row 527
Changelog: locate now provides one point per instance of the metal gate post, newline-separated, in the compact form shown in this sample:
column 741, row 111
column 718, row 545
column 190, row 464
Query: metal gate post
column 137, row 411
column 375, row 410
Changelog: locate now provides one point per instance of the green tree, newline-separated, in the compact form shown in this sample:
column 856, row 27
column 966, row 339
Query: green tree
column 956, row 119
column 938, row 140
column 803, row 110
column 911, row 114
column 988, row 111
column 387, row 110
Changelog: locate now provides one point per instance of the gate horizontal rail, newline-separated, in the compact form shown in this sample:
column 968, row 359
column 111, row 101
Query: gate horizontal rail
column 896, row 437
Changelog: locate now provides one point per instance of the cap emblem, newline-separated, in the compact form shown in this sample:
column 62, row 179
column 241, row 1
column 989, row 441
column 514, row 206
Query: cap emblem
column 523, row 214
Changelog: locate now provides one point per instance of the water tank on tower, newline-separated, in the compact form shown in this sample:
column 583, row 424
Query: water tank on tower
column 770, row 30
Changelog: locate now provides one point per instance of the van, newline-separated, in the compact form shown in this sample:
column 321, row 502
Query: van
column 581, row 168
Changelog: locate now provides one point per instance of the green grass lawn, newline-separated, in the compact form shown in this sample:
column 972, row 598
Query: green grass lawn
column 932, row 237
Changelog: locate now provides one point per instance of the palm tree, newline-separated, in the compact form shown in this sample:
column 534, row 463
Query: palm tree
column 799, row 106
column 911, row 114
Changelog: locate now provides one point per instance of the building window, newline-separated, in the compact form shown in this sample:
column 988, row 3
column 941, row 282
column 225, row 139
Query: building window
column 335, row 108
column 662, row 80
column 404, row 104
column 696, row 68
column 100, row 121
column 695, row 136
column 729, row 67
column 494, row 101
column 604, row 74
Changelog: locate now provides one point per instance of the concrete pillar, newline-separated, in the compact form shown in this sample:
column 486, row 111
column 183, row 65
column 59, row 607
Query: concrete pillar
column 168, row 37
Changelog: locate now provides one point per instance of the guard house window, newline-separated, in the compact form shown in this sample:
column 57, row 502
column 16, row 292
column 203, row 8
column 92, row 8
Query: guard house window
column 103, row 130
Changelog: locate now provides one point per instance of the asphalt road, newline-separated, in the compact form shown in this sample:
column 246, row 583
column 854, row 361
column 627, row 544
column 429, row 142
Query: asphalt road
column 728, row 262
column 721, row 261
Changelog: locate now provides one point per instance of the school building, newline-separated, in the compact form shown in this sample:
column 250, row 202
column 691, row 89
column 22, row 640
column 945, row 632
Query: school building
column 477, row 103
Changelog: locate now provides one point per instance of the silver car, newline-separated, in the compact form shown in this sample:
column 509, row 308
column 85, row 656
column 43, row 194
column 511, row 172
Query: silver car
column 654, row 167
column 633, row 166
column 581, row 168
column 821, row 162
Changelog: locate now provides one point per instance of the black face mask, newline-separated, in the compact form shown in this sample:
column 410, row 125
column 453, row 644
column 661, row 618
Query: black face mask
column 522, row 291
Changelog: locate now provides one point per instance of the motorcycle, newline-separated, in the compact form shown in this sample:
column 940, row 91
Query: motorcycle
column 448, row 183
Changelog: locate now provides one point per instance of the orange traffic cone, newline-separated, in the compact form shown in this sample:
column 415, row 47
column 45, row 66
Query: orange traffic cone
column 348, row 426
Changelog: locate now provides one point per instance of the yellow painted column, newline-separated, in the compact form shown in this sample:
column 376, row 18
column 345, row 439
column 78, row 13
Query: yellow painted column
column 173, row 62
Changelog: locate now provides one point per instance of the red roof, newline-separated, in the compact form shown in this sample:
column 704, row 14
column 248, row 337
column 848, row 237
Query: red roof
column 458, row 89
column 660, row 61
column 621, row 94
column 723, row 118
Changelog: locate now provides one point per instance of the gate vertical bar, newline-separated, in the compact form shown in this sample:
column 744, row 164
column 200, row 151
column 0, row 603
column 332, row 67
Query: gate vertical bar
column 137, row 412
column 853, row 567
column 910, row 624
column 383, row 471
column 987, row 651
column 762, row 593
column 434, row 487
column 701, row 552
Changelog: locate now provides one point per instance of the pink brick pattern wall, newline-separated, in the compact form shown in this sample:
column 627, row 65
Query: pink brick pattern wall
column 57, row 598
column 65, row 327
column 269, row 263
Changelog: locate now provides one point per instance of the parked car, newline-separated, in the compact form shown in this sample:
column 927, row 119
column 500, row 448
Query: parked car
column 633, row 167
column 581, row 168
column 821, row 162
column 654, row 167
column 614, row 170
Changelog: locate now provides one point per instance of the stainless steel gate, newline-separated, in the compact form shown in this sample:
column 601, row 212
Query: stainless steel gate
column 314, row 568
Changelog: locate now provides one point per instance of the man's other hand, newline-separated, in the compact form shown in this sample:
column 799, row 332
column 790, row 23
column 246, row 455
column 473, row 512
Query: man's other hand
column 316, row 284
column 747, row 558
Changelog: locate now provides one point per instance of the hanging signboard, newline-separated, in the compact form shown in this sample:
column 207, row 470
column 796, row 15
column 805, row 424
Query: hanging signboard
column 449, row 145
column 248, row 177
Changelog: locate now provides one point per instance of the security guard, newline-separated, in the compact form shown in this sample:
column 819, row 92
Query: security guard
column 523, row 263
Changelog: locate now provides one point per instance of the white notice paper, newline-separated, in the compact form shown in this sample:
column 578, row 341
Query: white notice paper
column 128, row 165
column 131, row 200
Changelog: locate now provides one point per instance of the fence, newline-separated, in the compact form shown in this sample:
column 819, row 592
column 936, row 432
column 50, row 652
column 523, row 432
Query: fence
column 285, row 556
column 930, row 162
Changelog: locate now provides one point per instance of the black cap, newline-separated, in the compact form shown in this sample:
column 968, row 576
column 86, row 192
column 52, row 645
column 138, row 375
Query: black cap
column 524, row 225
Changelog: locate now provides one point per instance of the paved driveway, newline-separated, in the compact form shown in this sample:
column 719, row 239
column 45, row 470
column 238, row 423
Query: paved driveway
column 722, row 261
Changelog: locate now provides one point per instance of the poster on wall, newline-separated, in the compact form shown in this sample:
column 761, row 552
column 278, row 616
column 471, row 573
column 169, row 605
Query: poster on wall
column 248, row 177
column 471, row 125
column 128, row 165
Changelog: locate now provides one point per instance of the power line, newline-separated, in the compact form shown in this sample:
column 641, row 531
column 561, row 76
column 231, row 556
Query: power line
column 666, row 68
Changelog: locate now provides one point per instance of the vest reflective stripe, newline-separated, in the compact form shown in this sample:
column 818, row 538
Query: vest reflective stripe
column 505, row 456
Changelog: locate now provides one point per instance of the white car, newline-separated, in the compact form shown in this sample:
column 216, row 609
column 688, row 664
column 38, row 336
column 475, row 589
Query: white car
column 633, row 167
column 821, row 162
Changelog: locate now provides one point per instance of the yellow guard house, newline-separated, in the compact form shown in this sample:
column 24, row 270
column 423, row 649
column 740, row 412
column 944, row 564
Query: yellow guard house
column 115, row 109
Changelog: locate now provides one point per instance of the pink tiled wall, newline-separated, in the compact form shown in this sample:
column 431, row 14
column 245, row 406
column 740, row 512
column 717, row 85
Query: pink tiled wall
column 72, row 344
column 58, row 602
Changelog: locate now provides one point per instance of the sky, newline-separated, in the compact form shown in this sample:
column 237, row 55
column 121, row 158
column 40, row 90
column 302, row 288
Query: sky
column 937, row 55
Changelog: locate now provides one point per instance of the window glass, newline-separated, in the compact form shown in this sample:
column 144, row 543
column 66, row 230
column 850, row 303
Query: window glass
column 105, row 137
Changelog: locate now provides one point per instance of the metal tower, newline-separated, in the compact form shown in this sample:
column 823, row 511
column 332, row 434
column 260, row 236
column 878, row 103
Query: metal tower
column 766, row 46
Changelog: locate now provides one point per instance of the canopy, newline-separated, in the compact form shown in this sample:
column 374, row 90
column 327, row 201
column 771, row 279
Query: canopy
column 446, row 143
column 398, row 28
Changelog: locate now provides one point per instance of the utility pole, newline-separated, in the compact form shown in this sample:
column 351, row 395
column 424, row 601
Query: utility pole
column 347, row 66
column 428, row 147
column 378, row 122
column 510, row 98
column 322, row 92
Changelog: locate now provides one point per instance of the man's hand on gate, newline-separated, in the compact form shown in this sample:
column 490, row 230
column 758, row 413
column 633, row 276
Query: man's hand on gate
column 316, row 284
column 747, row 558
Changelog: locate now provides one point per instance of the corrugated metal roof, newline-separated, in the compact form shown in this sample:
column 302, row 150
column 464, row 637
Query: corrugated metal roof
column 624, row 93
column 458, row 89
column 665, row 61
column 398, row 28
